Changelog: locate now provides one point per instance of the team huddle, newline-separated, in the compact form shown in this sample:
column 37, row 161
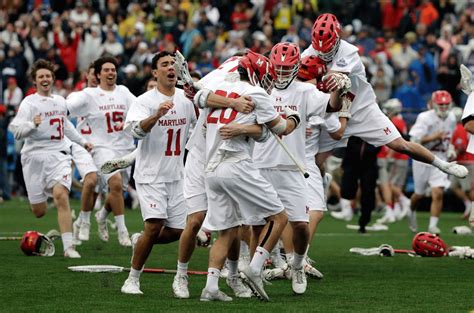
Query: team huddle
column 249, row 127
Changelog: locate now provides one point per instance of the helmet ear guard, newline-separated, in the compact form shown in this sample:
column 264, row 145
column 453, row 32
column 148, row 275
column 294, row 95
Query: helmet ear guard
column 430, row 245
column 36, row 243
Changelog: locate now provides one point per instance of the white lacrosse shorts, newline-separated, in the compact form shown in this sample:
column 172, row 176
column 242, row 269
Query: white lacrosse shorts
column 195, row 184
column 237, row 192
column 315, row 188
column 291, row 188
column 426, row 175
column 163, row 201
column 83, row 160
column 43, row 171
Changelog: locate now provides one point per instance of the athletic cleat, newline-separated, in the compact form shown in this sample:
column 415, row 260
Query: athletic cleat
column 455, row 169
column 240, row 289
column 255, row 283
column 103, row 231
column 84, row 231
column 114, row 165
column 180, row 286
column 76, row 226
column 387, row 218
column 277, row 260
column 412, row 222
column 131, row 286
column 434, row 230
column 71, row 253
column 224, row 271
column 124, row 239
column 298, row 281
column 345, row 216
column 215, row 296
column 310, row 270
column 274, row 273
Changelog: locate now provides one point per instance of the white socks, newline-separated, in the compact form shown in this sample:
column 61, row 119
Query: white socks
column 259, row 257
column 297, row 261
column 346, row 205
column 103, row 213
column 67, row 240
column 135, row 273
column 120, row 221
column 433, row 221
column 232, row 266
column 85, row 217
column 212, row 283
column 183, row 268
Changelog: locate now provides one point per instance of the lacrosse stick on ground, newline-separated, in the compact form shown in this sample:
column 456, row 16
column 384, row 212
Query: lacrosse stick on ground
column 119, row 269
column 52, row 234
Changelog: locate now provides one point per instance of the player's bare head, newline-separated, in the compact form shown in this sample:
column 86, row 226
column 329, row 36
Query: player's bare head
column 326, row 35
column 151, row 84
column 257, row 70
column 42, row 73
column 196, row 76
column 90, row 76
column 163, row 69
column 285, row 57
column 105, row 69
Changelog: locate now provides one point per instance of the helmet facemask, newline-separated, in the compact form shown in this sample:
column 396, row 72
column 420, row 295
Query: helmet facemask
column 285, row 75
column 329, row 56
column 442, row 109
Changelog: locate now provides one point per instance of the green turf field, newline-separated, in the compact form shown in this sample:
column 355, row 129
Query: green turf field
column 351, row 283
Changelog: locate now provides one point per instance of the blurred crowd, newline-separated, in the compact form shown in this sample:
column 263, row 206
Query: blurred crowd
column 410, row 47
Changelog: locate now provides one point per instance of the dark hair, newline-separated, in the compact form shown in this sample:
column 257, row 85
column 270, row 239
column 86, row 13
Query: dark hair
column 42, row 64
column 91, row 65
column 101, row 61
column 158, row 56
column 196, row 74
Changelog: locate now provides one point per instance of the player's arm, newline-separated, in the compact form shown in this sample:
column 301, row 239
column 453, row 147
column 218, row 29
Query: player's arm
column 71, row 133
column 256, row 132
column 439, row 135
column 148, row 123
column 469, row 124
column 283, row 127
column 22, row 124
column 207, row 98
column 77, row 104
column 337, row 135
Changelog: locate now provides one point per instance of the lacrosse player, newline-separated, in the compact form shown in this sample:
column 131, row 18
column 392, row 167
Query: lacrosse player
column 274, row 163
column 367, row 121
column 104, row 109
column 161, row 119
column 46, row 154
column 87, row 169
column 236, row 190
column 433, row 129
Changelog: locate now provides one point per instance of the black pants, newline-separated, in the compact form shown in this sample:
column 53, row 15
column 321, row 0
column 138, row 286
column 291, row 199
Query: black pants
column 360, row 165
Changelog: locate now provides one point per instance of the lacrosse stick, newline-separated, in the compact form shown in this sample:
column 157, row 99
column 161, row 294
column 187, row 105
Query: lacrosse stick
column 403, row 251
column 374, row 227
column 466, row 79
column 382, row 250
column 52, row 234
column 119, row 269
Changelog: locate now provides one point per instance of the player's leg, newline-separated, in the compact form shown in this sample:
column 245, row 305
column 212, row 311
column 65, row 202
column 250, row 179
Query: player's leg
column 349, row 186
column 87, row 205
column 61, row 201
column 245, row 235
column 386, row 191
column 39, row 209
column 368, row 182
column 141, row 251
column 116, row 201
column 435, row 209
column 233, row 279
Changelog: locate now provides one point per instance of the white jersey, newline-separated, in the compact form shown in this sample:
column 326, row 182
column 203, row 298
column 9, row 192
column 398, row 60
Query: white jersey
column 330, row 123
column 49, row 136
column 161, row 152
column 468, row 112
column 241, row 146
column 82, row 126
column 197, row 141
column 347, row 60
column 214, row 77
column 308, row 102
column 428, row 123
column 105, row 112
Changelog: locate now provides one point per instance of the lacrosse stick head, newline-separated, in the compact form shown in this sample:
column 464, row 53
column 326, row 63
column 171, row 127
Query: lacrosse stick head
column 285, row 57
column 441, row 102
column 204, row 238
column 431, row 245
column 182, row 70
column 326, row 36
column 35, row 243
column 392, row 107
column 312, row 67
column 457, row 113
column 258, row 69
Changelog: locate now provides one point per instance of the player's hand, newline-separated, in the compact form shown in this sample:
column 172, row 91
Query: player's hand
column 88, row 146
column 231, row 130
column 189, row 91
column 37, row 120
column 243, row 104
column 164, row 108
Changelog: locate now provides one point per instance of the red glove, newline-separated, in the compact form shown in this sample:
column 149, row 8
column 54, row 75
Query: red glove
column 189, row 91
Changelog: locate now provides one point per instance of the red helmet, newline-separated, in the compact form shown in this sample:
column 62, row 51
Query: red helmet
column 326, row 36
column 35, row 243
column 441, row 102
column 285, row 57
column 312, row 67
column 259, row 70
column 427, row 244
